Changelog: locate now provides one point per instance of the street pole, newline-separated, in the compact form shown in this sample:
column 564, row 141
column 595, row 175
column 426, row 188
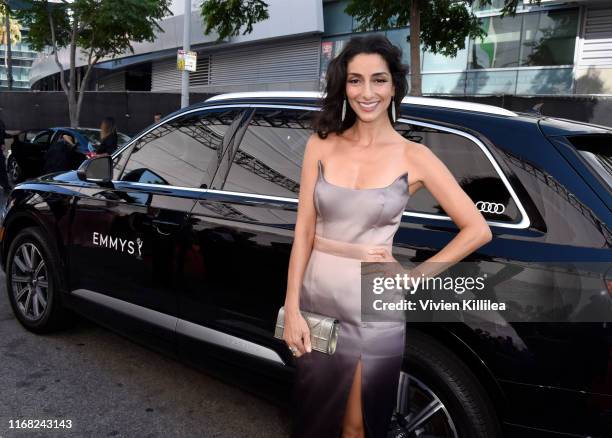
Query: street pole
column 186, row 47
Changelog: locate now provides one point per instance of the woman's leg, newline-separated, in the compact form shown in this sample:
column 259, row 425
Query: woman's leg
column 352, row 425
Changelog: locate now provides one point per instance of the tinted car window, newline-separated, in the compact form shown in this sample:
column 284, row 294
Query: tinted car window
column 29, row 135
column 59, row 134
column 93, row 135
column 182, row 152
column 270, row 155
column 42, row 138
column 596, row 150
column 472, row 169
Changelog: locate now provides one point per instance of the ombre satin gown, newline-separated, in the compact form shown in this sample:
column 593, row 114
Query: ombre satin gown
column 349, row 223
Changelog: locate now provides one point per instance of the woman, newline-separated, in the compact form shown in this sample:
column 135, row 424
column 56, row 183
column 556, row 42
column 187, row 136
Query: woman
column 108, row 137
column 350, row 205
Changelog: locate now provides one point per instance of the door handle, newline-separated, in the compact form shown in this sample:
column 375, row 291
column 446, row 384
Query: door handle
column 157, row 224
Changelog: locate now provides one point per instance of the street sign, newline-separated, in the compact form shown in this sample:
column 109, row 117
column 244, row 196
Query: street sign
column 186, row 60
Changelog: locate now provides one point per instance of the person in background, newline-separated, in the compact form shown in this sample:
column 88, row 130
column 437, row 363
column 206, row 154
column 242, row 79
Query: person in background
column 59, row 155
column 157, row 117
column 3, row 176
column 108, row 137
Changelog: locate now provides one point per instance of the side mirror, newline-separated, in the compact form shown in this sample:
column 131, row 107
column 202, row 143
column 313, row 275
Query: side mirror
column 97, row 169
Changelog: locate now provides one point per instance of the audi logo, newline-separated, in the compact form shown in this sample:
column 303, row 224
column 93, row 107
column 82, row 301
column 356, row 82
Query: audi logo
column 490, row 207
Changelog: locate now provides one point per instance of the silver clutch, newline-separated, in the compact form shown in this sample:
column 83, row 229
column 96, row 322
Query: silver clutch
column 323, row 330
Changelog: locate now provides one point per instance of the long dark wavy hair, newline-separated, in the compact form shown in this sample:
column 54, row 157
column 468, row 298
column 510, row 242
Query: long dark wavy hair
column 329, row 118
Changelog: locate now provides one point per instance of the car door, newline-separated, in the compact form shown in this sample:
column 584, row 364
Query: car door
column 76, row 155
column 243, row 228
column 129, row 238
column 30, row 153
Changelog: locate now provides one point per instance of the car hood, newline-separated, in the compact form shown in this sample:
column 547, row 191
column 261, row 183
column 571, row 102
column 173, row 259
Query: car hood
column 59, row 177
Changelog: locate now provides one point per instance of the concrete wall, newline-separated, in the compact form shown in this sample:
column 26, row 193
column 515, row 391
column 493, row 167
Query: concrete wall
column 134, row 111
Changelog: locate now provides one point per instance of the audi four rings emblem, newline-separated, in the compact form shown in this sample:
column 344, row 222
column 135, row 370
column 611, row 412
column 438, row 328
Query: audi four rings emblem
column 490, row 207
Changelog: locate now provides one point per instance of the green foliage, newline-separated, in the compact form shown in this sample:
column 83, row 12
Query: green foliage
column 103, row 27
column 36, row 19
column 444, row 23
column 226, row 17
column 99, row 28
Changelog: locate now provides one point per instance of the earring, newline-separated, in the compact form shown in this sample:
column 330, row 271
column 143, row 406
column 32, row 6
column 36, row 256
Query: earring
column 343, row 109
column 393, row 117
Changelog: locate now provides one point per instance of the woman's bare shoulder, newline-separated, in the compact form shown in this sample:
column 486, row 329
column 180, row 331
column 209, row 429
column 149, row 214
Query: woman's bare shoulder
column 415, row 159
column 415, row 151
column 320, row 145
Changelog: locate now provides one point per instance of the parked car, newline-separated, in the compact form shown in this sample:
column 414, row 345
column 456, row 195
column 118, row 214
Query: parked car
column 182, row 241
column 26, row 156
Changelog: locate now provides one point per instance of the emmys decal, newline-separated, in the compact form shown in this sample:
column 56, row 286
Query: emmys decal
column 118, row 244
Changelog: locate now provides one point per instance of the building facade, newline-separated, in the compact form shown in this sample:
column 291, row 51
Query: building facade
column 556, row 48
column 22, row 57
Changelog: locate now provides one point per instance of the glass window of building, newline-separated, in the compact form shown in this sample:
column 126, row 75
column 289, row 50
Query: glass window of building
column 500, row 48
column 438, row 63
column 495, row 5
column 399, row 37
column 335, row 20
column 549, row 37
column 22, row 57
column 444, row 83
column 544, row 38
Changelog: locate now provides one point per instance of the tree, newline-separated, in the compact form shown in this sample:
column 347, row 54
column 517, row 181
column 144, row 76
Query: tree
column 10, row 32
column 99, row 28
column 226, row 17
column 442, row 25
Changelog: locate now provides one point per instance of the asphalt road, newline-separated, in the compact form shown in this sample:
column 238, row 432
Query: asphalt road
column 109, row 386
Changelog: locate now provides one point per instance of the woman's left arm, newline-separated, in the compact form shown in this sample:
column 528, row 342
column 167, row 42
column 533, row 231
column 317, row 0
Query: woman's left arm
column 474, row 231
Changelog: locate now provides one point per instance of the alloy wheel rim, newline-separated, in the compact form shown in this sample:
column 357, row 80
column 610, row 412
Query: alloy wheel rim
column 30, row 282
column 419, row 412
column 14, row 170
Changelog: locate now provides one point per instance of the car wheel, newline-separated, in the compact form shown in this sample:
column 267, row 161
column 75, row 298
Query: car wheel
column 13, row 171
column 33, row 283
column 438, row 396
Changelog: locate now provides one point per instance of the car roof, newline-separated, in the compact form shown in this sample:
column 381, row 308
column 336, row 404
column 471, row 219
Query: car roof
column 409, row 100
column 84, row 128
column 76, row 129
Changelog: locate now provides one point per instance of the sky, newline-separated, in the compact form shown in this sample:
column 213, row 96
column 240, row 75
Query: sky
column 177, row 6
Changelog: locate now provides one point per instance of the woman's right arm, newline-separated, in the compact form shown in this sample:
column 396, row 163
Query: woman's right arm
column 296, row 331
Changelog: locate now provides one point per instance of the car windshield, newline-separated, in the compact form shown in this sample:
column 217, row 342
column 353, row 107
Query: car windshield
column 93, row 135
column 596, row 150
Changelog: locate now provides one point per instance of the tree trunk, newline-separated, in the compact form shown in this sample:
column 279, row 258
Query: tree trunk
column 9, row 57
column 72, row 95
column 92, row 60
column 415, row 48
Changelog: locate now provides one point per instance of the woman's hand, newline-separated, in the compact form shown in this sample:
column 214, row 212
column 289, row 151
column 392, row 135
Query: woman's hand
column 380, row 255
column 392, row 266
column 297, row 333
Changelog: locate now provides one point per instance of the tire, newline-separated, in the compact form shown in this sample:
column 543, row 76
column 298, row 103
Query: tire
column 33, row 283
column 434, row 376
column 13, row 171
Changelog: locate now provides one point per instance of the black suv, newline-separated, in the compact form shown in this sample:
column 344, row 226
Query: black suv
column 182, row 241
